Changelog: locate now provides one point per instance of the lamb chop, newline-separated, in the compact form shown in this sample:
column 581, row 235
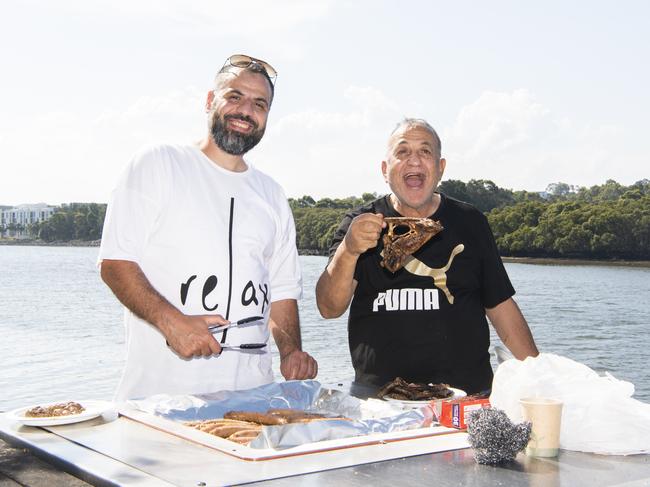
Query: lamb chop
column 406, row 391
column 399, row 246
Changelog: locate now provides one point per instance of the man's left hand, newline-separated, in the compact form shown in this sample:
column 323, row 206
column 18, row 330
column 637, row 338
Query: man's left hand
column 298, row 365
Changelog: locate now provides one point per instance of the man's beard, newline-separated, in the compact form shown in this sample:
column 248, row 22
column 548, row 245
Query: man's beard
column 234, row 143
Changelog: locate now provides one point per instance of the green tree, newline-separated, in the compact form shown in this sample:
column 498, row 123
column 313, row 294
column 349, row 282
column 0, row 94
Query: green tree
column 561, row 190
column 482, row 193
column 589, row 225
column 74, row 221
column 303, row 202
column 608, row 221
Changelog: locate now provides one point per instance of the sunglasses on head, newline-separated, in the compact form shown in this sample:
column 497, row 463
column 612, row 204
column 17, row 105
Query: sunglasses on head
column 244, row 61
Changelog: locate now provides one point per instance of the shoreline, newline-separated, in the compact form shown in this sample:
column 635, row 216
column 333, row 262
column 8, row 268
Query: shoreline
column 41, row 243
column 311, row 252
column 571, row 261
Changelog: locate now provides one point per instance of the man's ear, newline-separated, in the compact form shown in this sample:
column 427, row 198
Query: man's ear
column 209, row 100
column 384, row 170
column 443, row 164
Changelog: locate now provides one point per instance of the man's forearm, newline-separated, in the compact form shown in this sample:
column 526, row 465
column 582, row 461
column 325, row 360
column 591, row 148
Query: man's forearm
column 133, row 289
column 336, row 284
column 511, row 326
column 188, row 336
column 285, row 326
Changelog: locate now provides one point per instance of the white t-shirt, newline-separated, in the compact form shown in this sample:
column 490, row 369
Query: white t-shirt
column 211, row 241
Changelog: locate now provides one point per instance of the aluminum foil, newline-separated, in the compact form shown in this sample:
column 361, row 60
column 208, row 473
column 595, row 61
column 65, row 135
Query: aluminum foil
column 363, row 417
column 293, row 394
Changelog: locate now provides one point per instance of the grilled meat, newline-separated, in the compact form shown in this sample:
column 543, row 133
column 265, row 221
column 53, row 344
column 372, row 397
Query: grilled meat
column 399, row 246
column 60, row 409
column 406, row 391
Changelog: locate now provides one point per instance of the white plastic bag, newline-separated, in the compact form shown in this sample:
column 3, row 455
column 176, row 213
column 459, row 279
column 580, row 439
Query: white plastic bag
column 599, row 414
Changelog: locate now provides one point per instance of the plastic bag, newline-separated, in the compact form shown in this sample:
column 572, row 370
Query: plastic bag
column 599, row 414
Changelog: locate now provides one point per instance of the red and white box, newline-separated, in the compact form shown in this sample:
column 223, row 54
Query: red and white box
column 454, row 413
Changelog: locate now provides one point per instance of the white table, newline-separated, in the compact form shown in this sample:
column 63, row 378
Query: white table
column 108, row 451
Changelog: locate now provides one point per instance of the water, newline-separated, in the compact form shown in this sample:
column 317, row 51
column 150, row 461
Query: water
column 63, row 338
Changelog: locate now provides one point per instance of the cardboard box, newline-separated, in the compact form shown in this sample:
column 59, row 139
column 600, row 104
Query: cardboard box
column 453, row 413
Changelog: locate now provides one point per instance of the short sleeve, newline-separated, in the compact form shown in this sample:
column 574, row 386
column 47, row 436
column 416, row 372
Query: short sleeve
column 284, row 272
column 339, row 234
column 496, row 286
column 134, row 208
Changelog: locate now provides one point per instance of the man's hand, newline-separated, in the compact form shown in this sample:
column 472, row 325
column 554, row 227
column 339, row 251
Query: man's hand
column 298, row 365
column 189, row 336
column 336, row 284
column 285, row 326
column 363, row 233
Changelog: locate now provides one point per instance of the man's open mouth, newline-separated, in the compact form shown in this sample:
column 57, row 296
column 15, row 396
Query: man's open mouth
column 414, row 180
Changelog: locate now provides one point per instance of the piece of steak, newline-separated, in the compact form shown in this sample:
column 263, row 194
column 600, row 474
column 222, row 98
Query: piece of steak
column 403, row 390
column 399, row 246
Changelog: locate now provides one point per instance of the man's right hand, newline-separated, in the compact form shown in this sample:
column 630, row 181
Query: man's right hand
column 189, row 336
column 363, row 232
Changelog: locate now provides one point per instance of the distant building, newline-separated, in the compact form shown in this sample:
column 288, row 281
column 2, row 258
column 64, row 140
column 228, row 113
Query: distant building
column 23, row 215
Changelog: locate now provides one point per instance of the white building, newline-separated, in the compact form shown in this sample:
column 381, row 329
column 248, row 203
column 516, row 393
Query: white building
column 23, row 215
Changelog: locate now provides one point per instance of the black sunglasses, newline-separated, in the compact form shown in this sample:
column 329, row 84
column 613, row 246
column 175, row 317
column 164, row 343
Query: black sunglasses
column 244, row 61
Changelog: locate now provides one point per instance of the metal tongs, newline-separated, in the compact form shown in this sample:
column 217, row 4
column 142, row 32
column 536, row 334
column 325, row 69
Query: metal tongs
column 250, row 321
column 244, row 321
column 242, row 346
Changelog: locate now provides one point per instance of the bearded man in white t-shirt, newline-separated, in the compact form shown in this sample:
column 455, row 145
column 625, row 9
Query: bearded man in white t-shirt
column 195, row 236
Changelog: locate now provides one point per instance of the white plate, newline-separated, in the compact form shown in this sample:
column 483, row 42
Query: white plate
column 457, row 393
column 92, row 410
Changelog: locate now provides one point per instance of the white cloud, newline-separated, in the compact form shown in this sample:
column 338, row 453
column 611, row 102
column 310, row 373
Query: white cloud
column 370, row 99
column 261, row 17
column 509, row 137
column 368, row 105
column 331, row 154
column 174, row 116
column 517, row 142
column 61, row 156
column 336, row 153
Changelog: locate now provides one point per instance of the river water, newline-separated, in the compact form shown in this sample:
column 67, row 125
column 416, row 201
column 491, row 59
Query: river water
column 61, row 333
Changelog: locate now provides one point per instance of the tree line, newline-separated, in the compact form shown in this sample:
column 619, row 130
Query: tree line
column 73, row 221
column 608, row 221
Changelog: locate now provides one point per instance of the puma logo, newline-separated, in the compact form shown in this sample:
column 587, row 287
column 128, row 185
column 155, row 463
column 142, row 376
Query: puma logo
column 406, row 299
column 439, row 276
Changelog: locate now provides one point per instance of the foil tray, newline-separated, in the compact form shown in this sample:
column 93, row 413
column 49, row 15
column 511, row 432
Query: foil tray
column 372, row 422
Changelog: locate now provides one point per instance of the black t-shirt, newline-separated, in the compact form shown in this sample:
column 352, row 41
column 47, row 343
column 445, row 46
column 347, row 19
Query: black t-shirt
column 428, row 324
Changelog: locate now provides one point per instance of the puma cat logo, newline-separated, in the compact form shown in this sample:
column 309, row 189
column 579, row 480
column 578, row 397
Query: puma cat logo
column 439, row 276
column 418, row 299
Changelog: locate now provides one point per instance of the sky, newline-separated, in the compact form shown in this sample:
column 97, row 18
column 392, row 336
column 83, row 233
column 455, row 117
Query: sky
column 524, row 94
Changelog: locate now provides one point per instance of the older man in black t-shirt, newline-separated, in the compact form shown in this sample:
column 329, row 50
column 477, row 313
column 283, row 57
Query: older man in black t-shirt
column 427, row 321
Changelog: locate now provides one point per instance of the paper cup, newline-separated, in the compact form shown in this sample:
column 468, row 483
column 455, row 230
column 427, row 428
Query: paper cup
column 546, row 416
